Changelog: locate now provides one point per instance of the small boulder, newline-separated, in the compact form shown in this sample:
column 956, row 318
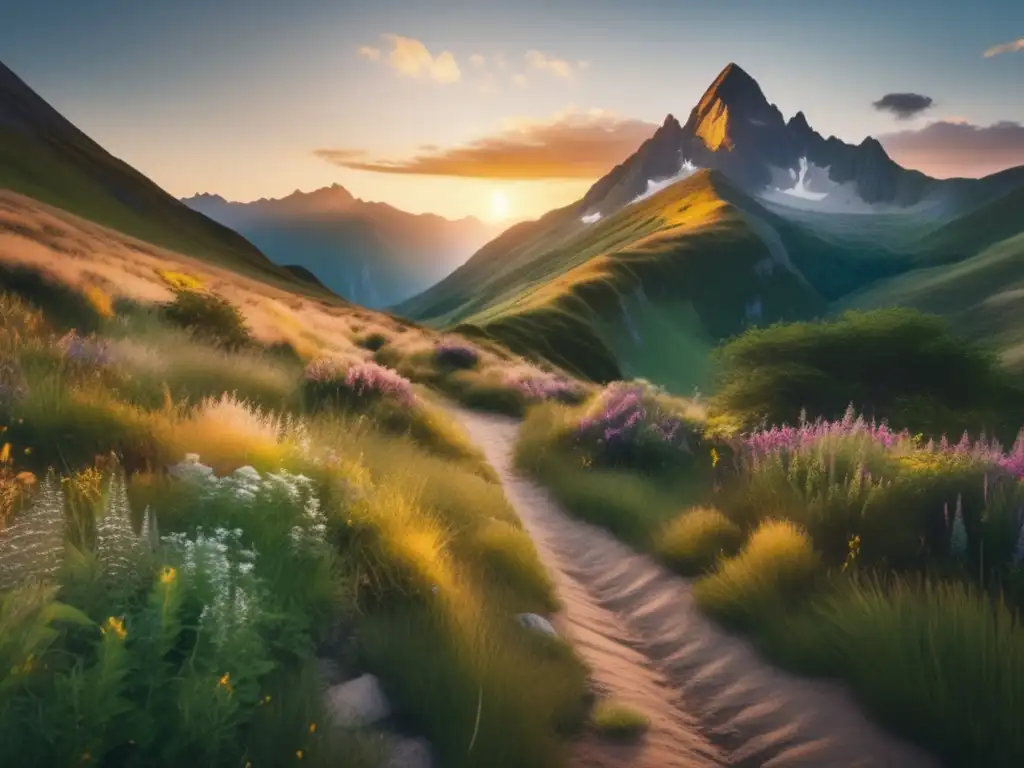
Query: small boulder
column 409, row 753
column 537, row 623
column 358, row 702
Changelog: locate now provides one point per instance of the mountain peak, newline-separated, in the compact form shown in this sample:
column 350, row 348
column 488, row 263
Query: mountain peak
column 670, row 121
column 734, row 87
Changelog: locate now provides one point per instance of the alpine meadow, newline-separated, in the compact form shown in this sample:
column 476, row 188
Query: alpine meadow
column 394, row 387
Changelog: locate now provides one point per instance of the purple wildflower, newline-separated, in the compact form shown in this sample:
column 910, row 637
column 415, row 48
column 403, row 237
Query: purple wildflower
column 85, row 350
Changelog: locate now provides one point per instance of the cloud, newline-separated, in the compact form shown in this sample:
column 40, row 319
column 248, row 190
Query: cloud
column 500, row 61
column 411, row 58
column 583, row 64
column 954, row 147
column 557, row 67
column 487, row 85
column 477, row 60
column 569, row 145
column 519, row 80
column 904, row 105
column 1011, row 47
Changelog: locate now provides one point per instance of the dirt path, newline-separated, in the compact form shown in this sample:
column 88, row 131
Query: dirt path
column 711, row 699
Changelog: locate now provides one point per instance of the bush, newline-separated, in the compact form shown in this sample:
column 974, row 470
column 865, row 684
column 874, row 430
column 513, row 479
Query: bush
column 329, row 384
column 456, row 356
column 372, row 341
column 618, row 721
column 773, row 572
column 695, row 540
column 637, row 426
column 210, row 317
column 899, row 365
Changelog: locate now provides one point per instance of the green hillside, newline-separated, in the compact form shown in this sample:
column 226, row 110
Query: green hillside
column 645, row 292
column 983, row 295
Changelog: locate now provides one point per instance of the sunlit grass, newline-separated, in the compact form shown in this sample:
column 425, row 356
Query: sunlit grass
column 616, row 720
column 776, row 568
column 694, row 541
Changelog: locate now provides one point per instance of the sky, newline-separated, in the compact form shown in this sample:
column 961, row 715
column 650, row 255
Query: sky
column 502, row 110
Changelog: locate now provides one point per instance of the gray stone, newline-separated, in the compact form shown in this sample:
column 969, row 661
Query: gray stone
column 409, row 753
column 537, row 623
column 357, row 702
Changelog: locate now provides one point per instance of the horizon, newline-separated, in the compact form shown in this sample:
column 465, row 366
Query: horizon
column 428, row 115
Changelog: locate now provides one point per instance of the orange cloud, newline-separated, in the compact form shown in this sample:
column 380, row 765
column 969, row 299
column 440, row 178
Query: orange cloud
column 411, row 58
column 545, row 63
column 570, row 145
column 1011, row 47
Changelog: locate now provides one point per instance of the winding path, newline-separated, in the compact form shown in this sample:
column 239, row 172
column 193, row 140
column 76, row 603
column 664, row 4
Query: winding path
column 711, row 699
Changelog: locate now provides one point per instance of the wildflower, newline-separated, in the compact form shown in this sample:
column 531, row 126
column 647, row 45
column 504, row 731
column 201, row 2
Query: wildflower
column 5, row 453
column 28, row 451
column 225, row 682
column 168, row 575
column 117, row 627
column 312, row 727
column 299, row 754
column 714, row 458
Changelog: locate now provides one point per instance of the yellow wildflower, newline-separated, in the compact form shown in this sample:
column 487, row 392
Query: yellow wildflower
column 225, row 682
column 299, row 753
column 168, row 575
column 5, row 453
column 312, row 727
column 714, row 457
column 28, row 451
column 117, row 627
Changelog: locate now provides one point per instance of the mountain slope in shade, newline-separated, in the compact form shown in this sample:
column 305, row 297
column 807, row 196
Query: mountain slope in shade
column 370, row 253
column 44, row 156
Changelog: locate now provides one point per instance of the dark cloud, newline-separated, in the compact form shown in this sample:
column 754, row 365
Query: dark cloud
column 572, row 145
column 904, row 105
column 946, row 148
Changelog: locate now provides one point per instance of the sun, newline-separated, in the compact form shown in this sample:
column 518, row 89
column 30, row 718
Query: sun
column 499, row 205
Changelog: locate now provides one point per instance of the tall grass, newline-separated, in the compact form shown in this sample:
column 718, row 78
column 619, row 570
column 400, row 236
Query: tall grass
column 185, row 608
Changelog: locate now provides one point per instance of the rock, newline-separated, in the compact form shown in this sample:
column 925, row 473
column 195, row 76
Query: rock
column 357, row 702
column 409, row 753
column 537, row 623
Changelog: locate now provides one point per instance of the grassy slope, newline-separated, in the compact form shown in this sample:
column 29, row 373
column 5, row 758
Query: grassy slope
column 971, row 270
column 983, row 295
column 45, row 157
column 599, row 299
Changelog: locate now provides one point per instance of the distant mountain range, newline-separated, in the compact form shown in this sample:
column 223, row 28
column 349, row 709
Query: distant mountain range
column 738, row 218
column 44, row 156
column 367, row 252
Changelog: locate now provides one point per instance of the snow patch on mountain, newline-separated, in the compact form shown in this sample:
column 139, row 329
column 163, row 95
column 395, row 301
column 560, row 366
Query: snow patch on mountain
column 686, row 169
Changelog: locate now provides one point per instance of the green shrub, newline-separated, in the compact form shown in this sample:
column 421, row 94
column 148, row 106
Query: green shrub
column 372, row 341
column 618, row 721
column 900, row 365
column 210, row 317
column 775, row 570
column 694, row 541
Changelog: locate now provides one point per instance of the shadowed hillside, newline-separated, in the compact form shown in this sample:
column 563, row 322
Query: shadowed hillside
column 44, row 156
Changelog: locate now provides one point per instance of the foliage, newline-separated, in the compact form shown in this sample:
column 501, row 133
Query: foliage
column 697, row 539
column 616, row 720
column 456, row 355
column 210, row 317
column 899, row 365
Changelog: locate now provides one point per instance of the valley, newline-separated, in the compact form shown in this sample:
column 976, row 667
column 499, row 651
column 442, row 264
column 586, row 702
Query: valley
column 719, row 464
